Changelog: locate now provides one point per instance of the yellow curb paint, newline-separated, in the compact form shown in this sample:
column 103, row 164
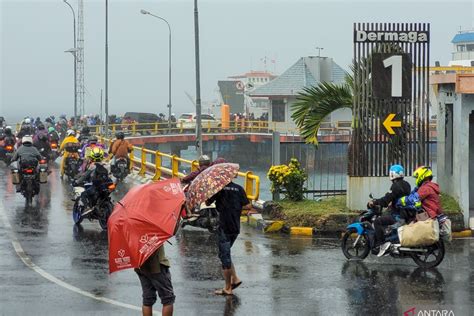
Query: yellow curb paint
column 274, row 227
column 463, row 234
column 305, row 231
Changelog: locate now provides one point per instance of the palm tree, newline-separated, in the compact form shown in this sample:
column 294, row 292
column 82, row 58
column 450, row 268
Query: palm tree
column 315, row 103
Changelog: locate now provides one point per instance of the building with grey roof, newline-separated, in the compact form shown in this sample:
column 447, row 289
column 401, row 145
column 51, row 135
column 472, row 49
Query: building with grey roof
column 283, row 90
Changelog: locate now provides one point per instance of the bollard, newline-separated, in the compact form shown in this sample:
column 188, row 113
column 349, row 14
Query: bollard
column 156, row 128
column 249, row 184
column 134, row 128
column 194, row 165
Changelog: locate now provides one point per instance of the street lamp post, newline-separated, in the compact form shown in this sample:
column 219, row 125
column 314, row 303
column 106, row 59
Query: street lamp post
column 169, row 64
column 75, row 63
column 106, row 68
column 198, row 81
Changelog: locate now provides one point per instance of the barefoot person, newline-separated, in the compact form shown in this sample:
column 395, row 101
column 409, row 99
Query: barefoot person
column 229, row 203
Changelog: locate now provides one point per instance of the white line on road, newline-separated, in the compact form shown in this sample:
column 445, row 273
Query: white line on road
column 30, row 264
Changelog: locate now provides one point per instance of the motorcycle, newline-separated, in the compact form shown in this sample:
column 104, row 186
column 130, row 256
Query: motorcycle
column 53, row 155
column 98, row 209
column 120, row 169
column 29, row 176
column 73, row 162
column 206, row 217
column 9, row 149
column 359, row 240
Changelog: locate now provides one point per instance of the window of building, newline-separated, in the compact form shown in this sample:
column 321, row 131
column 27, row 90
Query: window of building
column 278, row 111
column 470, row 47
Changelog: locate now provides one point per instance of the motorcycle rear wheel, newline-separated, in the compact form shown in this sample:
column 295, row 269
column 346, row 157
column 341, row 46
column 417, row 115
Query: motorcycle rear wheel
column 432, row 258
column 107, row 208
column 361, row 249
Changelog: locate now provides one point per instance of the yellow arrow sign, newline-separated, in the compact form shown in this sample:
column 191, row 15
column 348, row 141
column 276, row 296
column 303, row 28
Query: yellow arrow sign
column 388, row 124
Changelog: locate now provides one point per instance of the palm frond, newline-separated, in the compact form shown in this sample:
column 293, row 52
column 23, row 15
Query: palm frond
column 315, row 103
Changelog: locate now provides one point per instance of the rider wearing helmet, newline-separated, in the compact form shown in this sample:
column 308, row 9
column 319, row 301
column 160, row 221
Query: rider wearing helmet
column 120, row 148
column 52, row 134
column 204, row 162
column 399, row 188
column 42, row 144
column 425, row 194
column 10, row 139
column 85, row 134
column 27, row 151
column 26, row 128
column 70, row 138
column 91, row 143
column 96, row 173
column 41, row 130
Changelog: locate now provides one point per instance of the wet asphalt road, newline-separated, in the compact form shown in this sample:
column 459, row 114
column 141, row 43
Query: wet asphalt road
column 281, row 275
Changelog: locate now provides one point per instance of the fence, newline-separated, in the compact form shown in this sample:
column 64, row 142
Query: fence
column 160, row 165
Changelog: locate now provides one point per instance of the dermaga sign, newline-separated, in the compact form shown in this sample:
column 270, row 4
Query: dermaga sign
column 362, row 36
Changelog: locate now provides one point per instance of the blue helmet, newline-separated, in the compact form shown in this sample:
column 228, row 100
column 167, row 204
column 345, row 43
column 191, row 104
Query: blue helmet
column 396, row 172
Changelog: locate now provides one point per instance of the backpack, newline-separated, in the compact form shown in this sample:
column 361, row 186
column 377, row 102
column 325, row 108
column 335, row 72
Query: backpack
column 100, row 174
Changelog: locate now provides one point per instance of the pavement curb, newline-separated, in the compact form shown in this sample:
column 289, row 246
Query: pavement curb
column 274, row 226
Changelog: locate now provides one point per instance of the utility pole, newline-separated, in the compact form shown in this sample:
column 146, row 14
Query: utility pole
column 198, row 81
column 106, row 68
column 75, row 63
column 101, row 111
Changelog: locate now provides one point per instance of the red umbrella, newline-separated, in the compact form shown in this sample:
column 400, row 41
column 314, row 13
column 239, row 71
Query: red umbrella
column 209, row 182
column 142, row 221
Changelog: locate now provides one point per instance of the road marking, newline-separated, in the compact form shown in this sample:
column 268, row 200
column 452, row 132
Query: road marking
column 30, row 264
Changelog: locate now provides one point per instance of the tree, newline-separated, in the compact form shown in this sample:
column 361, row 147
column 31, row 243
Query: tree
column 315, row 103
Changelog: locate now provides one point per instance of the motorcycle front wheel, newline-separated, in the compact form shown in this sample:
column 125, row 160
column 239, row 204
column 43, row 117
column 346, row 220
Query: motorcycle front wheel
column 353, row 250
column 432, row 258
column 107, row 208
column 76, row 213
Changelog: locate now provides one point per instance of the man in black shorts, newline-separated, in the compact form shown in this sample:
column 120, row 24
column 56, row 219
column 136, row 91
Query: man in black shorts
column 230, row 202
column 154, row 277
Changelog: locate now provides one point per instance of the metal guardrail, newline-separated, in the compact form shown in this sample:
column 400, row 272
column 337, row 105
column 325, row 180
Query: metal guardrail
column 139, row 162
column 161, row 128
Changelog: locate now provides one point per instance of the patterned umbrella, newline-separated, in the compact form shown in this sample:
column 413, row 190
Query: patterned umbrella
column 209, row 182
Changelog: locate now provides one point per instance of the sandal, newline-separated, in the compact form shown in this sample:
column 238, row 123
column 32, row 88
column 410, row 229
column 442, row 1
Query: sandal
column 222, row 292
column 236, row 285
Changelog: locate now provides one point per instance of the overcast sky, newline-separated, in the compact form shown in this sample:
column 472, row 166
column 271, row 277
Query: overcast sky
column 37, row 76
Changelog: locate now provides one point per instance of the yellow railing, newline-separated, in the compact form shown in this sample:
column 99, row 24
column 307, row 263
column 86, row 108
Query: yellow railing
column 158, row 171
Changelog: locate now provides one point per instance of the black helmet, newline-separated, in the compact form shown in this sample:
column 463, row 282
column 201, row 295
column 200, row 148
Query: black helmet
column 41, row 126
column 120, row 135
column 85, row 130
column 43, row 137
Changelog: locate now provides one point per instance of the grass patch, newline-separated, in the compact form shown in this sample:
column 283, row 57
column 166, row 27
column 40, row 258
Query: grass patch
column 312, row 213
column 449, row 204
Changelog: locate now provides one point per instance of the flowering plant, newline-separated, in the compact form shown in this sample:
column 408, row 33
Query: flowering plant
column 290, row 177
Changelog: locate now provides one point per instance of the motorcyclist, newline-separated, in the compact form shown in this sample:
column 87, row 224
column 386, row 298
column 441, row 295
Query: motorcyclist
column 85, row 134
column 204, row 162
column 41, row 130
column 91, row 143
column 10, row 139
column 425, row 195
column 43, row 145
column 96, row 173
column 53, row 135
column 398, row 189
column 25, row 129
column 120, row 148
column 27, row 152
column 70, row 138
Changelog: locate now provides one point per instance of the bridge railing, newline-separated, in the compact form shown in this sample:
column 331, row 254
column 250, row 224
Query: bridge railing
column 157, row 167
column 217, row 126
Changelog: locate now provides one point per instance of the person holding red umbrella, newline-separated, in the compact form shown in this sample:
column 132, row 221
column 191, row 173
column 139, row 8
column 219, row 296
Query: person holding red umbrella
column 230, row 201
column 154, row 277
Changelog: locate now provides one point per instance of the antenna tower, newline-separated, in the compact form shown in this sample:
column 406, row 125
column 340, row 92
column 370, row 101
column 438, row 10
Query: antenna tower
column 80, row 58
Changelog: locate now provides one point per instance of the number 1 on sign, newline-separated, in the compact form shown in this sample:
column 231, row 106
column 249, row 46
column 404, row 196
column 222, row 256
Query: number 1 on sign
column 395, row 62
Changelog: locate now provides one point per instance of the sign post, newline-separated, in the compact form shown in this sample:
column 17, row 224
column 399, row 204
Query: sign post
column 391, row 106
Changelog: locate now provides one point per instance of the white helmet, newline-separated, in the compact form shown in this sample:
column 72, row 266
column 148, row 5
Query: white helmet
column 70, row 132
column 27, row 139
column 27, row 121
